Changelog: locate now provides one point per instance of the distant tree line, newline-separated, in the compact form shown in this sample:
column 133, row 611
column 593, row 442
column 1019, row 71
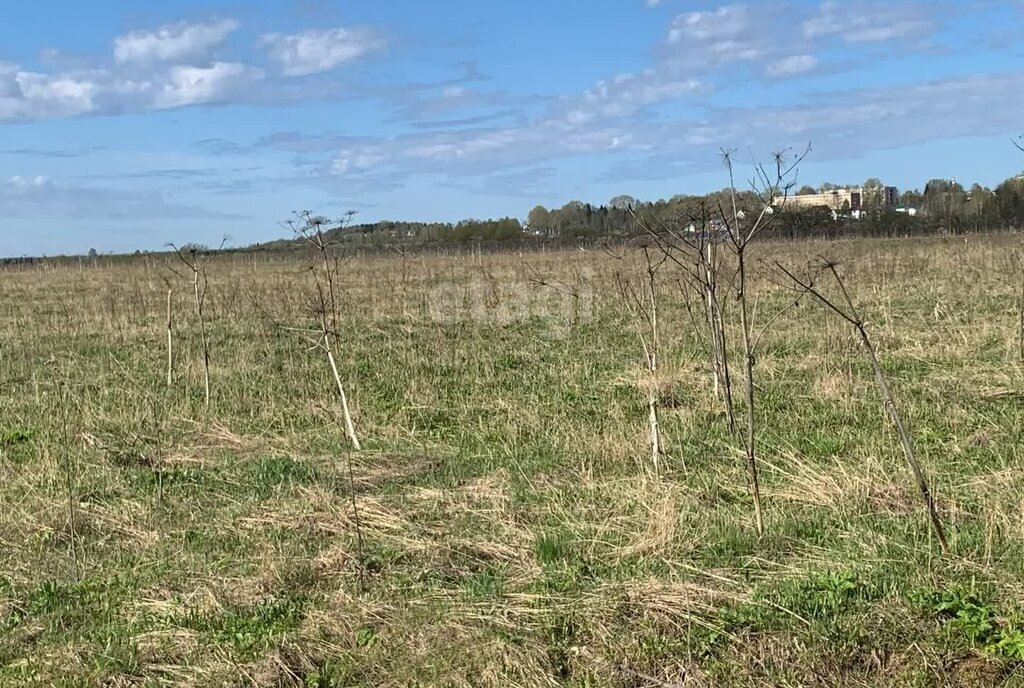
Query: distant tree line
column 944, row 206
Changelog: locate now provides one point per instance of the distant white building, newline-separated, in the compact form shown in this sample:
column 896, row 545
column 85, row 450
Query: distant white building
column 852, row 198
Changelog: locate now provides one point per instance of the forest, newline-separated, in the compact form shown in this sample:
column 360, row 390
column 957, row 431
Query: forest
column 943, row 207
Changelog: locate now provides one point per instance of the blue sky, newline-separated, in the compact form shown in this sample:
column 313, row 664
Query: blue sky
column 127, row 125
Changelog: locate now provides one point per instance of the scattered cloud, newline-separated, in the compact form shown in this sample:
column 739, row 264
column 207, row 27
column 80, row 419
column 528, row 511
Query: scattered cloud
column 33, row 95
column 705, row 42
column 172, row 67
column 791, row 66
column 39, row 197
column 28, row 95
column 872, row 21
column 974, row 105
column 475, row 151
column 980, row 105
column 173, row 42
column 661, row 121
column 313, row 52
column 726, row 23
column 355, row 160
column 653, row 148
column 628, row 93
column 24, row 185
column 191, row 85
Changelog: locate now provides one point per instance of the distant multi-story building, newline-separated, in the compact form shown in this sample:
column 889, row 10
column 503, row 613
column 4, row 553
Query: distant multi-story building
column 853, row 199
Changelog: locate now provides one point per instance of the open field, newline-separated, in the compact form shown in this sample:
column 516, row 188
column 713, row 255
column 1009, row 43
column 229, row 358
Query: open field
column 513, row 531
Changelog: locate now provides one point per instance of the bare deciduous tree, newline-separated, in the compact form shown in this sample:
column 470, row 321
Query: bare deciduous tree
column 771, row 187
column 695, row 245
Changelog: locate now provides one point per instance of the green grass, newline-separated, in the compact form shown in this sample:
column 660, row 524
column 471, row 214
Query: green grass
column 513, row 532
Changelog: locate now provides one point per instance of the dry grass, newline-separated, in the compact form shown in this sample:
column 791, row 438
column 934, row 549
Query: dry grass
column 514, row 534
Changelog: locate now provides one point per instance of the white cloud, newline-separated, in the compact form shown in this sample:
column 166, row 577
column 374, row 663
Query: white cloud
column 621, row 113
column 628, row 93
column 478, row 150
column 729, row 22
column 193, row 85
column 633, row 114
column 23, row 185
column 699, row 42
column 313, row 52
column 978, row 105
column 654, row 147
column 63, row 93
column 791, row 66
column 28, row 95
column 348, row 161
column 9, row 86
column 175, row 66
column 173, row 42
column 871, row 21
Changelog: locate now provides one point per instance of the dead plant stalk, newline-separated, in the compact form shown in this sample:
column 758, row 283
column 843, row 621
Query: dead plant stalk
column 197, row 258
column 170, row 340
column 642, row 305
column 324, row 271
column 851, row 315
